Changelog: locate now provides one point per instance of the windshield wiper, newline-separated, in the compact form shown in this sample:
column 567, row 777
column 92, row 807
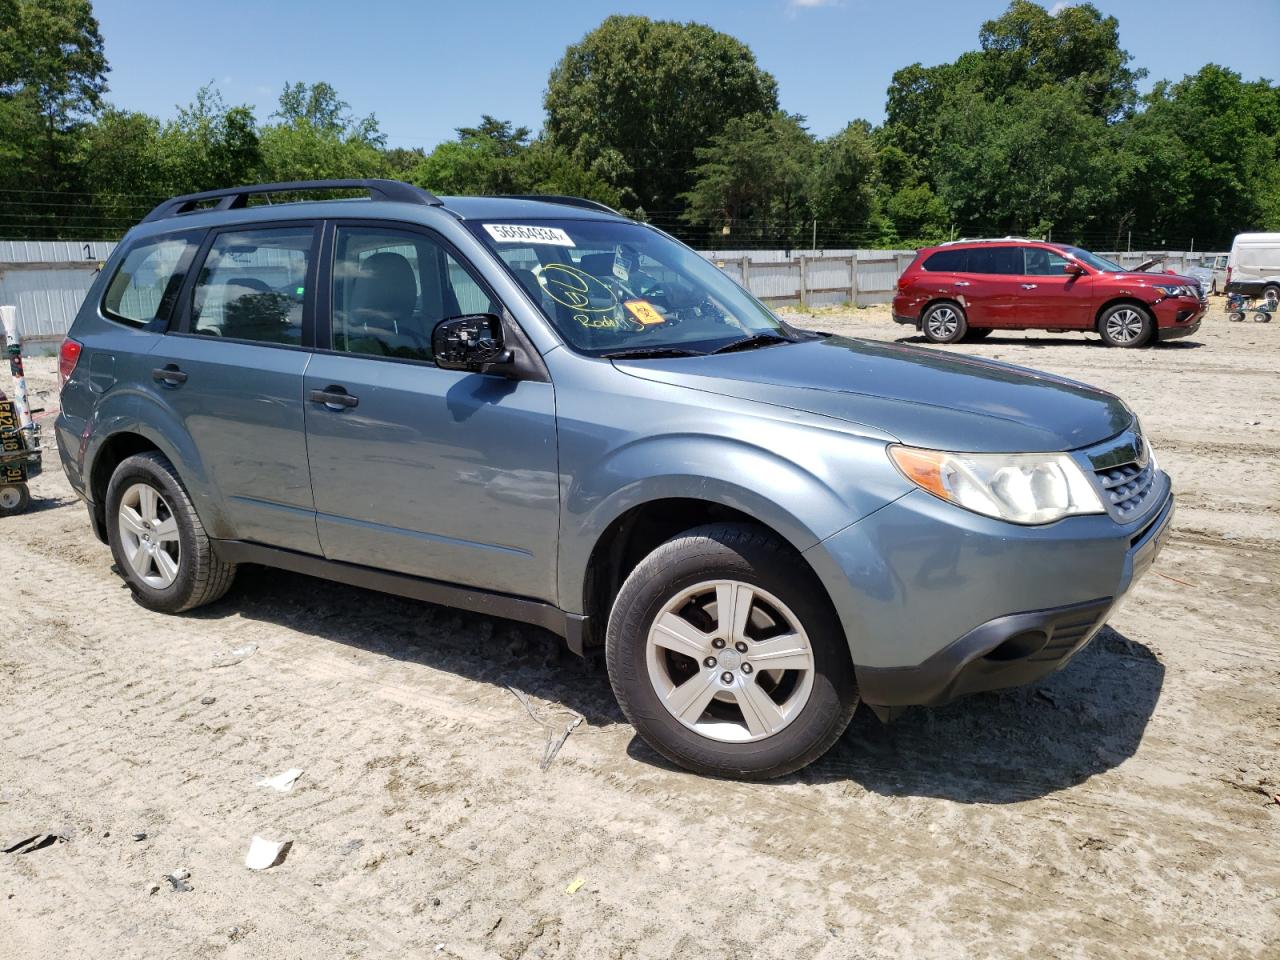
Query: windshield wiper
column 750, row 343
column 642, row 353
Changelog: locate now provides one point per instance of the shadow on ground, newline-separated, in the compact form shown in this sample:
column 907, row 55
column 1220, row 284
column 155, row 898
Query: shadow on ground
column 998, row 747
column 1035, row 343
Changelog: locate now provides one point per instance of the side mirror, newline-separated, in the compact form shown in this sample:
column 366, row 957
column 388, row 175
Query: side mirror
column 473, row 342
column 1072, row 268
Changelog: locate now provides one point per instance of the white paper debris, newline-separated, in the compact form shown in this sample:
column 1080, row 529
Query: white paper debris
column 263, row 853
column 282, row 781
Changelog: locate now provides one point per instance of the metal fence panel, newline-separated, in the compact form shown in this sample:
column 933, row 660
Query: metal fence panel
column 47, row 299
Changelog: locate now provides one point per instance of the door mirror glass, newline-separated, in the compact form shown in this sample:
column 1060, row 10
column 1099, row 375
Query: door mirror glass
column 472, row 342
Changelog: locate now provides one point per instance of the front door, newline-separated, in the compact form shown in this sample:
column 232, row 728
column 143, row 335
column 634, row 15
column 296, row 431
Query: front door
column 231, row 374
column 1053, row 298
column 435, row 473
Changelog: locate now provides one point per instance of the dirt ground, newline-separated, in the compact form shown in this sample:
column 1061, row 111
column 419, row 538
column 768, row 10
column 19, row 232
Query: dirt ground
column 1119, row 809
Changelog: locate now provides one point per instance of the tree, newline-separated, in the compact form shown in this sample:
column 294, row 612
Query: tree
column 634, row 99
column 1028, row 47
column 497, row 158
column 210, row 145
column 754, row 177
column 318, row 138
column 842, row 192
column 1034, row 162
column 1211, row 142
column 52, row 78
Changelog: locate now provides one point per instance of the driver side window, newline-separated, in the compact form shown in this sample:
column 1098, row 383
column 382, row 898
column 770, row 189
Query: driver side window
column 391, row 288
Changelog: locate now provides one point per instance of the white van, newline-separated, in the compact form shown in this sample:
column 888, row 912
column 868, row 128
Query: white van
column 1254, row 265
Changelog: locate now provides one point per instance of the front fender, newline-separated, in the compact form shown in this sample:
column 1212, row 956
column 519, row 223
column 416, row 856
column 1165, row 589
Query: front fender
column 800, row 505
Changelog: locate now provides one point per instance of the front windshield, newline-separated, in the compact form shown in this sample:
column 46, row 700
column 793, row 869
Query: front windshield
column 1095, row 261
column 613, row 288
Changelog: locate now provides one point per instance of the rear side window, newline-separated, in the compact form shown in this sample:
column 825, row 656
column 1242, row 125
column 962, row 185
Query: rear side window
column 996, row 260
column 948, row 261
column 146, row 284
column 252, row 285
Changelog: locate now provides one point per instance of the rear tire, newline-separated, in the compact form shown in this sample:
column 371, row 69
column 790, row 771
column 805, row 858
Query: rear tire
column 944, row 322
column 1271, row 293
column 1126, row 325
column 730, row 600
column 159, row 544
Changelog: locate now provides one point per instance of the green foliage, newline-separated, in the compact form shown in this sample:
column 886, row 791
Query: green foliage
column 1039, row 130
column 497, row 158
column 636, row 97
column 754, row 177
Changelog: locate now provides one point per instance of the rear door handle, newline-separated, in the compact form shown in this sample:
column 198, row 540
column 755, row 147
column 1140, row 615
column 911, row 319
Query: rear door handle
column 963, row 283
column 169, row 375
column 334, row 397
column 1028, row 286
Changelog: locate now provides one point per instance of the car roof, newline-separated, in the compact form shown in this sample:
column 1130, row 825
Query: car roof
column 395, row 195
column 1009, row 241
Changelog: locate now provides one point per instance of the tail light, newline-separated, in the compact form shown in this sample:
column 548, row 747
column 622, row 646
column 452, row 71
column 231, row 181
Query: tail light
column 68, row 357
column 1228, row 274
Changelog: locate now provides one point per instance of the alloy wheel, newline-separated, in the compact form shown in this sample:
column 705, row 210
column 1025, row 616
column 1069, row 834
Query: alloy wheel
column 1124, row 326
column 943, row 322
column 10, row 498
column 730, row 661
column 149, row 535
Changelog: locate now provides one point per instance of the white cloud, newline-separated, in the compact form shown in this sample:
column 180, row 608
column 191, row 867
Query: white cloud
column 1058, row 7
column 813, row 3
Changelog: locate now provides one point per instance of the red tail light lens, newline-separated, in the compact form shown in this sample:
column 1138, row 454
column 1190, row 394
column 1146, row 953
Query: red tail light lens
column 68, row 357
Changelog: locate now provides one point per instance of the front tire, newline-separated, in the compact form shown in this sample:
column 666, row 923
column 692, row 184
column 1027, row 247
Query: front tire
column 159, row 544
column 726, row 656
column 1126, row 325
column 944, row 323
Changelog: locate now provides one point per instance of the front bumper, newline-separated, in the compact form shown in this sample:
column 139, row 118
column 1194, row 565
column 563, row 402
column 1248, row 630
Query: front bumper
column 1178, row 316
column 934, row 612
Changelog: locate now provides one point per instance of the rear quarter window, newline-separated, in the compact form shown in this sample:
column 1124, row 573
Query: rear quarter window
column 145, row 286
column 947, row 261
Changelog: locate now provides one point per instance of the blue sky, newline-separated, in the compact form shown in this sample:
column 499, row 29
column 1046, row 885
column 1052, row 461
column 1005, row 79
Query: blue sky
column 427, row 67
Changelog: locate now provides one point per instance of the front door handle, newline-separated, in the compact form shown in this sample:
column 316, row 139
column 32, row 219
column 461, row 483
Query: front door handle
column 1028, row 286
column 169, row 375
column 963, row 283
column 334, row 397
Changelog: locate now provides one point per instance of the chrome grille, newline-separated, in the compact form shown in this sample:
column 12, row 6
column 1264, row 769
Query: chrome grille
column 1125, row 488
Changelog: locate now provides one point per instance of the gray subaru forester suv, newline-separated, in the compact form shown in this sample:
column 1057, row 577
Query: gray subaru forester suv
column 539, row 409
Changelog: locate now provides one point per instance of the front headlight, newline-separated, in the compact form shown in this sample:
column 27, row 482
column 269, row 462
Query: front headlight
column 1027, row 488
column 1175, row 290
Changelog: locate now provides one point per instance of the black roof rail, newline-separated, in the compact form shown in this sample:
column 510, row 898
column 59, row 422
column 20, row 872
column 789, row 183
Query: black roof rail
column 564, row 201
column 234, row 198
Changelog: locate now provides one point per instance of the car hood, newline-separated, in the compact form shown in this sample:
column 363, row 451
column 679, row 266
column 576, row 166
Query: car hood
column 922, row 396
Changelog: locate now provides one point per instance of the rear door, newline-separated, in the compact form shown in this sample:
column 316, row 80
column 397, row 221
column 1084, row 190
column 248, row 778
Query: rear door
column 231, row 370
column 995, row 290
column 1051, row 297
column 436, row 473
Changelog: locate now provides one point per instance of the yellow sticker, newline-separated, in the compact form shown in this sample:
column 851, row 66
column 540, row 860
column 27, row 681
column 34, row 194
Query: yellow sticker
column 644, row 311
column 574, row 886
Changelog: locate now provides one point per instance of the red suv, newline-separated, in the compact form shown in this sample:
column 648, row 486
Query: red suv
column 968, row 288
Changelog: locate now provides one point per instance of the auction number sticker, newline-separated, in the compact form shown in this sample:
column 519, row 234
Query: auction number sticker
column 644, row 311
column 521, row 233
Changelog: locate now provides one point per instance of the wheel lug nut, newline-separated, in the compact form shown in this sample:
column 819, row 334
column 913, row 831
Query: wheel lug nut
column 746, row 668
column 740, row 647
column 718, row 643
column 726, row 677
column 710, row 661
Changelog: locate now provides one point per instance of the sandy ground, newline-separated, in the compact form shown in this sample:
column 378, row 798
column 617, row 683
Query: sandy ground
column 1120, row 809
